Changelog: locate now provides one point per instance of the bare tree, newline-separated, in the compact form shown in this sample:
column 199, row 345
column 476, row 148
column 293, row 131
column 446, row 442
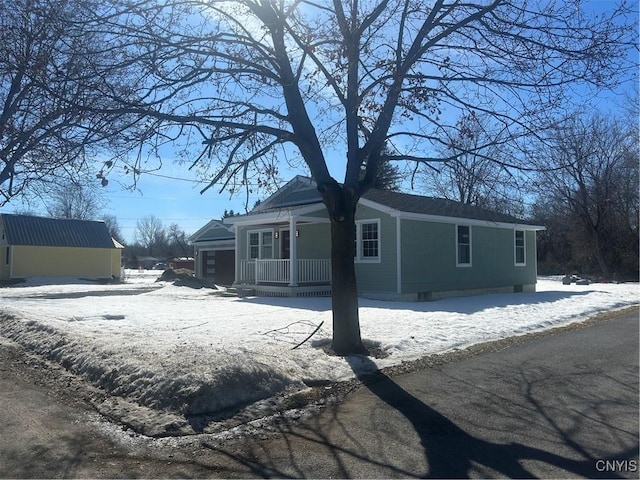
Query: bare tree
column 48, row 77
column 256, row 81
column 150, row 233
column 591, row 181
column 478, row 171
column 178, row 242
column 73, row 200
column 114, row 227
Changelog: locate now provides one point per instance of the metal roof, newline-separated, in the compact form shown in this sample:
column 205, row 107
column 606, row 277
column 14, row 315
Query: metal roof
column 53, row 232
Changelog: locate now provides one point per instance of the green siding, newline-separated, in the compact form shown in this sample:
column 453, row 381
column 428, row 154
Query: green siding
column 320, row 213
column 429, row 258
column 428, row 255
column 379, row 277
column 314, row 241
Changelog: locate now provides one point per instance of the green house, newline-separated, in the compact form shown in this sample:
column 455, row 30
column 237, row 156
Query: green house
column 408, row 247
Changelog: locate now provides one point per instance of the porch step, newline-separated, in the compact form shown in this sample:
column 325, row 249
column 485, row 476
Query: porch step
column 241, row 291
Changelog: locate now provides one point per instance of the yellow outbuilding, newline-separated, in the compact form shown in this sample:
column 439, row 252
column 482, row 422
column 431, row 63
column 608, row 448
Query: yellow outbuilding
column 33, row 246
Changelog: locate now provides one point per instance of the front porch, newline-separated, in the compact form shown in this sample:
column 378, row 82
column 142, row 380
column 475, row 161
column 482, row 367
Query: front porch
column 285, row 277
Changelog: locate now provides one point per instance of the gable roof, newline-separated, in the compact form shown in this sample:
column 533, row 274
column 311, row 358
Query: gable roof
column 297, row 191
column 214, row 230
column 441, row 207
column 301, row 191
column 53, row 232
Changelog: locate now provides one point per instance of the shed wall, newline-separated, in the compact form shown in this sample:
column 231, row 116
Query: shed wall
column 29, row 261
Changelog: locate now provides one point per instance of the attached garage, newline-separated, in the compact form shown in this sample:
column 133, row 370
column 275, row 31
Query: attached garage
column 214, row 250
column 46, row 247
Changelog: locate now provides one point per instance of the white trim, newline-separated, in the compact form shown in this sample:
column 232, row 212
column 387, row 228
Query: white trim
column 458, row 264
column 359, row 258
column 237, row 253
column 468, row 221
column 293, row 253
column 515, row 248
column 283, row 215
column 427, row 217
column 226, row 244
column 398, row 256
column 209, row 225
column 379, row 206
column 277, row 216
column 260, row 244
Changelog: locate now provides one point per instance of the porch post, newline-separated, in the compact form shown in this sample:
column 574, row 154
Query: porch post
column 236, row 234
column 293, row 254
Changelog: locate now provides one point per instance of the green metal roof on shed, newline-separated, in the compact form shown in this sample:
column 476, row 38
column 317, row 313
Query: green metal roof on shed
column 53, row 232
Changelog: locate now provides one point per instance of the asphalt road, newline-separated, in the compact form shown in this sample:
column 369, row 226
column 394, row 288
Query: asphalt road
column 559, row 405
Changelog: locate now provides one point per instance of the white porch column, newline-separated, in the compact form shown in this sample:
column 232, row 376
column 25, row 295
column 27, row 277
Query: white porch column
column 237, row 253
column 293, row 254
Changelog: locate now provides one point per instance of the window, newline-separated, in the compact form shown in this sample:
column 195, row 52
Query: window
column 7, row 257
column 260, row 244
column 367, row 241
column 267, row 245
column 519, row 247
column 254, row 245
column 463, row 243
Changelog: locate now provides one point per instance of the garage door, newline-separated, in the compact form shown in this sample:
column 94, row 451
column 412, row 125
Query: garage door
column 219, row 265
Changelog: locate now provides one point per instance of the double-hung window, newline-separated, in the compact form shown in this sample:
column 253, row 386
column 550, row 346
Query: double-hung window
column 463, row 246
column 367, row 241
column 260, row 244
column 519, row 245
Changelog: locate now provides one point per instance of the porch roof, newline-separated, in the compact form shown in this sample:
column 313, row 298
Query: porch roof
column 299, row 213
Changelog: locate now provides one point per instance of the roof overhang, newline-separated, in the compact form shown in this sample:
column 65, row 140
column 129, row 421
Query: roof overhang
column 281, row 215
column 424, row 217
column 212, row 224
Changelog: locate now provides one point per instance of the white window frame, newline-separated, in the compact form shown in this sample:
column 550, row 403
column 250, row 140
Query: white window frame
column 260, row 233
column 359, row 258
column 523, row 247
column 470, row 245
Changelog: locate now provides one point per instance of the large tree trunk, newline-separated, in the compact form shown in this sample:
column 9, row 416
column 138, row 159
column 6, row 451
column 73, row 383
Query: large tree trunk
column 341, row 205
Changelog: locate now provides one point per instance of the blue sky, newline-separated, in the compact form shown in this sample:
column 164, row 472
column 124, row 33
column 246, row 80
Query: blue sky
column 173, row 193
column 173, row 200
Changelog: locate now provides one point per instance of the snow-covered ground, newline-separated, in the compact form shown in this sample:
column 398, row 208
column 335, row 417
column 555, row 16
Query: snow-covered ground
column 193, row 351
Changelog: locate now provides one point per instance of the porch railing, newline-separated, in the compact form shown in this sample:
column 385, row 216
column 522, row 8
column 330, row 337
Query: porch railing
column 278, row 271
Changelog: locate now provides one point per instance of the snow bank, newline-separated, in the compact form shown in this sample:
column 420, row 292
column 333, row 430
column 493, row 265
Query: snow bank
column 194, row 351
